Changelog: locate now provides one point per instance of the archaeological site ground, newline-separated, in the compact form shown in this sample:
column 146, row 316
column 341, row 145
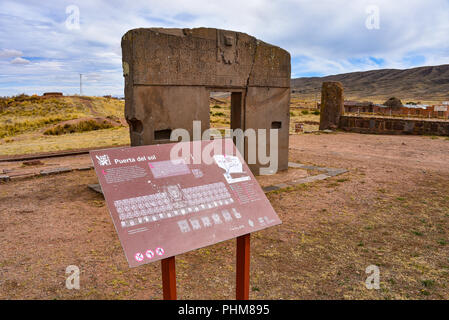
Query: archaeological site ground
column 344, row 177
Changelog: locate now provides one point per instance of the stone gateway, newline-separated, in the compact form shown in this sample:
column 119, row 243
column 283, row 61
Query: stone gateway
column 169, row 74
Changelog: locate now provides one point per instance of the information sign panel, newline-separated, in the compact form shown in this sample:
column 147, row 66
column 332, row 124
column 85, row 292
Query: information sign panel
column 164, row 205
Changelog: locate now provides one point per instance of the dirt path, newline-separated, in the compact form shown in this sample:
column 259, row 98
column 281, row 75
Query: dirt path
column 377, row 151
column 390, row 210
column 88, row 102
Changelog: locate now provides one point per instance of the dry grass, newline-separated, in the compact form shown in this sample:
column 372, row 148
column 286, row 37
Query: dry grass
column 31, row 143
column 220, row 115
column 24, row 114
column 81, row 126
column 25, row 122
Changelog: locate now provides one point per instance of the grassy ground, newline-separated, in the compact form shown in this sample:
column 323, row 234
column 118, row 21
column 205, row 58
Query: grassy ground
column 301, row 111
column 32, row 143
column 25, row 119
column 23, row 114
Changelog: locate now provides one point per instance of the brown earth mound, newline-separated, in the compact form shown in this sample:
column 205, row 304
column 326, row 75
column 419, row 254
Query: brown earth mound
column 393, row 102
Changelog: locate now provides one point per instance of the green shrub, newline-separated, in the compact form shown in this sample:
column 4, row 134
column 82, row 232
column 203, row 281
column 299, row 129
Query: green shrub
column 305, row 112
column 316, row 112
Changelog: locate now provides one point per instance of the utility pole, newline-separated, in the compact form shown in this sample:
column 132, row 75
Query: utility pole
column 81, row 84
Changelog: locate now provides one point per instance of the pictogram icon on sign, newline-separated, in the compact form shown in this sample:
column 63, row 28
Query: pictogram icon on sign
column 160, row 251
column 149, row 254
column 138, row 256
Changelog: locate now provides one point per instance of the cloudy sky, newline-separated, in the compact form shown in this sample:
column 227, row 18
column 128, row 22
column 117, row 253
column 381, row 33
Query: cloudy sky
column 42, row 48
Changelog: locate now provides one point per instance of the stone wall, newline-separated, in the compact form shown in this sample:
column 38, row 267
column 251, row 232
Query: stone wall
column 386, row 125
column 429, row 112
column 52, row 94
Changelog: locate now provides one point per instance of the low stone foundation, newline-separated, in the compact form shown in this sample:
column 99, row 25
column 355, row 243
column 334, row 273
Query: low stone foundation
column 387, row 125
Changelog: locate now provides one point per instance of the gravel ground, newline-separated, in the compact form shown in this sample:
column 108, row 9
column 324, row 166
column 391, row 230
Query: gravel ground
column 389, row 210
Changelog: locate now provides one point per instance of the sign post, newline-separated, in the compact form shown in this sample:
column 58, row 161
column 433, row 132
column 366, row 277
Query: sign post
column 242, row 268
column 169, row 278
column 163, row 204
column 242, row 272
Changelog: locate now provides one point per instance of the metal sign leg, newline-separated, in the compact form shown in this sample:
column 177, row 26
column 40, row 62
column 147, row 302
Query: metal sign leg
column 169, row 278
column 243, row 259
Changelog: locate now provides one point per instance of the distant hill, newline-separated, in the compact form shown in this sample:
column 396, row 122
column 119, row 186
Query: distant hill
column 417, row 84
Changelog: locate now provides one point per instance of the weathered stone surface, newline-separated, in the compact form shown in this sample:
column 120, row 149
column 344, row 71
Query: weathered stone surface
column 95, row 187
column 317, row 177
column 204, row 57
column 32, row 163
column 332, row 105
column 270, row 188
column 4, row 177
column 85, row 168
column 282, row 185
column 169, row 74
column 296, row 165
column 394, row 125
column 336, row 172
column 57, row 170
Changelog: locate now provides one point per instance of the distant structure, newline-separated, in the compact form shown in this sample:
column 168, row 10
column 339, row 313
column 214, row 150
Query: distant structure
column 356, row 106
column 81, row 84
column 170, row 74
column 415, row 110
column 409, row 119
column 394, row 103
column 332, row 105
column 52, row 94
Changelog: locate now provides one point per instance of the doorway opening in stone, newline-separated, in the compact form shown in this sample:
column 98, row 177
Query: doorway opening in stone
column 226, row 110
column 220, row 110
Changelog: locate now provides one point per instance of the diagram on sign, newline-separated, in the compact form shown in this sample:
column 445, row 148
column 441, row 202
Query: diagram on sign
column 231, row 165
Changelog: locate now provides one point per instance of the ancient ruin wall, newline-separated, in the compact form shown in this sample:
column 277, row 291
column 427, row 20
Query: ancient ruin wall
column 381, row 125
column 332, row 117
column 169, row 74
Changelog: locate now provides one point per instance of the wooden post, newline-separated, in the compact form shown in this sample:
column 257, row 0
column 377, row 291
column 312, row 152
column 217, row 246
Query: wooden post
column 169, row 278
column 243, row 259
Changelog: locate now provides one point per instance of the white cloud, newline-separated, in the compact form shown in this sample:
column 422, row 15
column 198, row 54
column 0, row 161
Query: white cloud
column 9, row 53
column 20, row 60
column 323, row 36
